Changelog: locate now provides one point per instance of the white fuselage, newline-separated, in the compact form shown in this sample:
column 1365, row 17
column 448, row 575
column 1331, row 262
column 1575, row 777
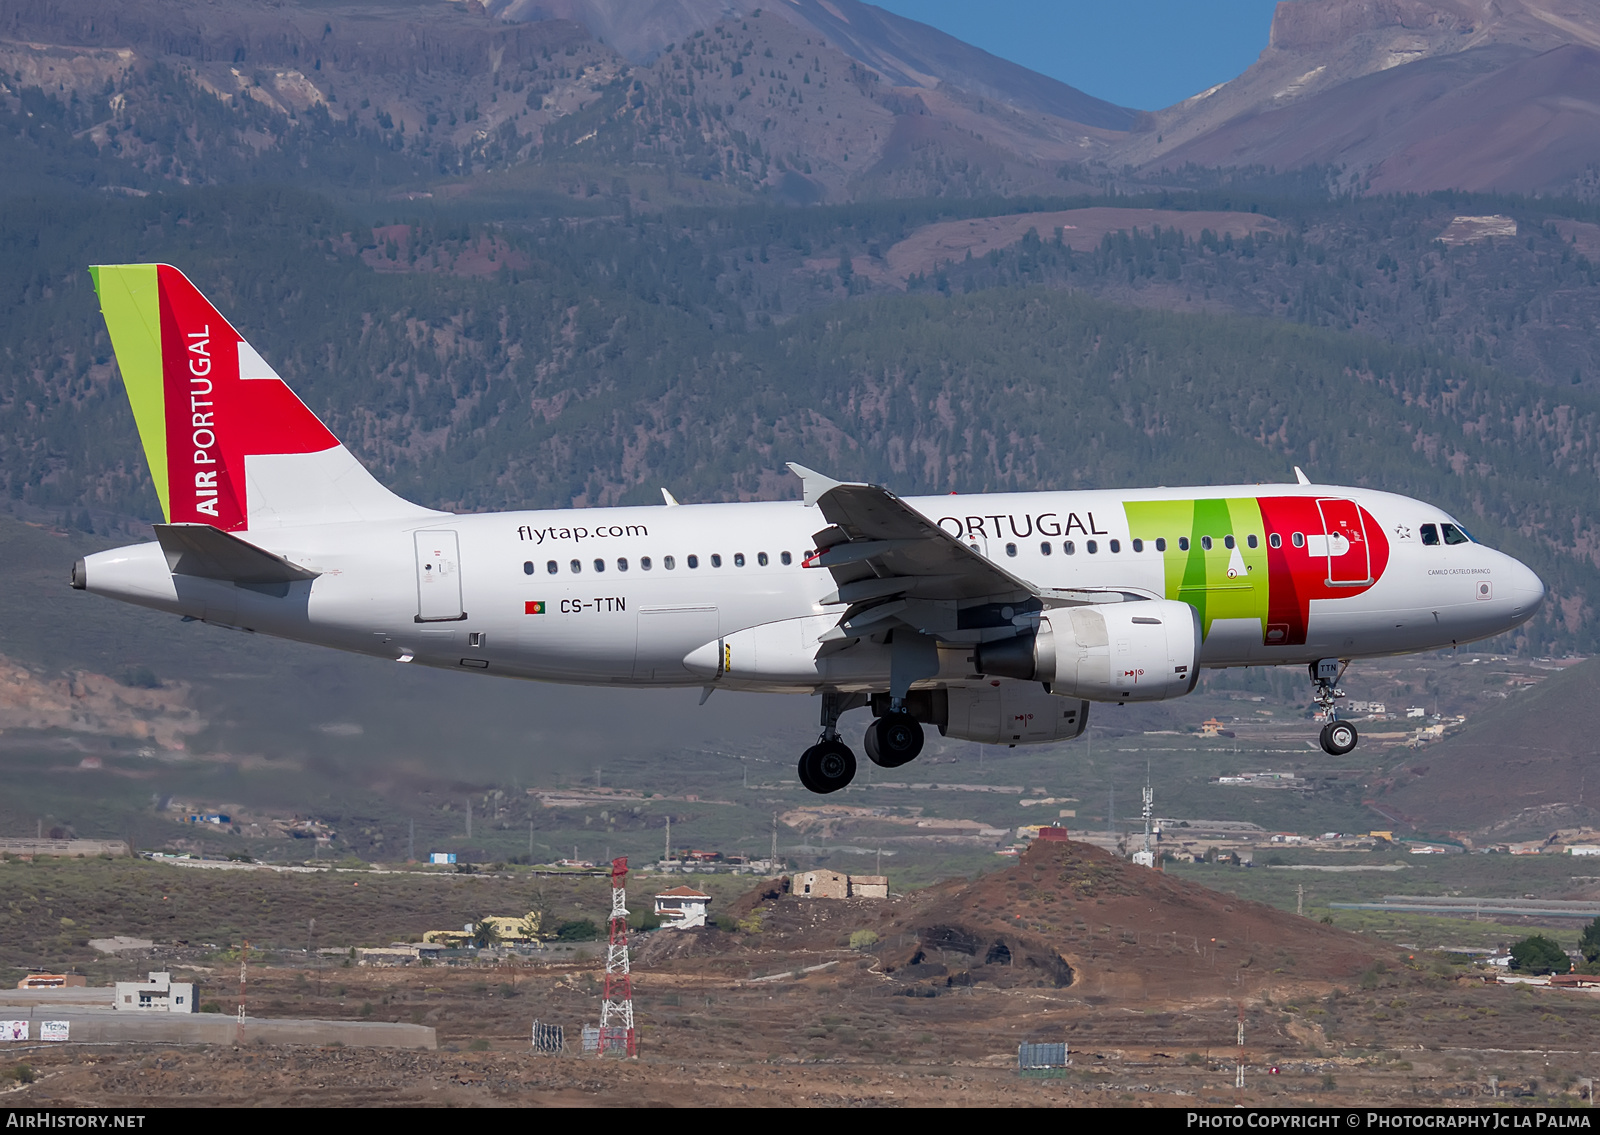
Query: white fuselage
column 588, row 596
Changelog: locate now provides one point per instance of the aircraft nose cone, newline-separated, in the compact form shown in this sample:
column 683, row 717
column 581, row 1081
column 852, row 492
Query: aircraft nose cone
column 1528, row 589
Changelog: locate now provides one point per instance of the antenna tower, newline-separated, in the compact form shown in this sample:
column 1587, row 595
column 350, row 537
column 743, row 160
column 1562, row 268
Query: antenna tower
column 616, row 1010
column 1146, row 856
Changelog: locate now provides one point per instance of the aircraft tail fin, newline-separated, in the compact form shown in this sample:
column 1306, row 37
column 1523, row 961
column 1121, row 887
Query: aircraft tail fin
column 227, row 441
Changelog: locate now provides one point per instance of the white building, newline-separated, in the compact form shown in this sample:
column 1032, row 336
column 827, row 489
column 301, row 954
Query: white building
column 682, row 908
column 160, row 994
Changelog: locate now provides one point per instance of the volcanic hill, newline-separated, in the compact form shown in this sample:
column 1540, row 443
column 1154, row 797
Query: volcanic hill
column 1067, row 916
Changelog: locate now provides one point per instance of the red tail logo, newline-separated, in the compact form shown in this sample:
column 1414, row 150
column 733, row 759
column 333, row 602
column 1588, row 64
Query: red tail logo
column 223, row 404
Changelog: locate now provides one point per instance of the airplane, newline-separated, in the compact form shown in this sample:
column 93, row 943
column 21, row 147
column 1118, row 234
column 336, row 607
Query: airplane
column 995, row 618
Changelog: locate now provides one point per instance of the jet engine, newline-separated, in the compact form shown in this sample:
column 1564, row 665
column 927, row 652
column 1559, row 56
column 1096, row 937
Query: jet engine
column 1147, row 650
column 1007, row 713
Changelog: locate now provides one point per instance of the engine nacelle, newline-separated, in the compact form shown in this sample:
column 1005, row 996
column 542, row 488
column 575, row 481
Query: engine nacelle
column 1116, row 652
column 1007, row 713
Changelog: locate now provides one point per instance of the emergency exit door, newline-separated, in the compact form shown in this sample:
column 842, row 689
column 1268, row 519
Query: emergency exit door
column 438, row 578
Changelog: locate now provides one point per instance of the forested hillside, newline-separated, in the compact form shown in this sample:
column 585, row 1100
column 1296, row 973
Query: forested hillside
column 547, row 364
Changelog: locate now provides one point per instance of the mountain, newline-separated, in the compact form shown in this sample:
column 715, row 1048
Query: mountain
column 907, row 54
column 1405, row 96
column 1517, row 770
column 804, row 102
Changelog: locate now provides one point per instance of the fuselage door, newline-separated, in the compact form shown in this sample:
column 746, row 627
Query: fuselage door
column 1345, row 543
column 438, row 577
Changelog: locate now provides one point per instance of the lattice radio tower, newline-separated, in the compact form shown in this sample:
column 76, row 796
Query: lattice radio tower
column 616, row 1010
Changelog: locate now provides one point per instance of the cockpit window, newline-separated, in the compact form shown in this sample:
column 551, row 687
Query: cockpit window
column 1430, row 535
column 1454, row 535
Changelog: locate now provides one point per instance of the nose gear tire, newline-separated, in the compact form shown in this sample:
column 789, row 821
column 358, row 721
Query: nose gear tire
column 893, row 740
column 1338, row 738
column 827, row 767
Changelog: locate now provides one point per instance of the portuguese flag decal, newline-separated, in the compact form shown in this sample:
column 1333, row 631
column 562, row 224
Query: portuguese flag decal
column 533, row 607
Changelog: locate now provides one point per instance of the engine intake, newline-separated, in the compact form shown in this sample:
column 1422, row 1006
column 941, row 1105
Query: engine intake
column 1113, row 652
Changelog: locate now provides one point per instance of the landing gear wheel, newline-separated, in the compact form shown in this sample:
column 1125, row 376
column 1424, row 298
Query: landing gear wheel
column 1338, row 738
column 827, row 767
column 893, row 740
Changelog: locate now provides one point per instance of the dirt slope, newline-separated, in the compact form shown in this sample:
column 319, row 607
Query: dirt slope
column 1519, row 769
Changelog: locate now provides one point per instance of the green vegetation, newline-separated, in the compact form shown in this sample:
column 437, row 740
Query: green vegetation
column 1537, row 954
column 1589, row 942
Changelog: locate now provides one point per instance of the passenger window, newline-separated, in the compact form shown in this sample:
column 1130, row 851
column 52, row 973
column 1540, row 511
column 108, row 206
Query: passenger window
column 1138, row 545
column 668, row 562
column 1183, row 543
column 1251, row 540
column 1091, row 546
column 1161, row 543
column 1011, row 550
column 644, row 563
column 1454, row 535
column 1069, row 548
column 577, row 566
column 622, row 563
column 785, row 558
column 693, row 561
column 1275, row 540
column 738, row 559
column 1227, row 542
column 1430, row 535
column 716, row 559
column 551, row 567
column 1299, row 540
column 1047, row 548
column 1116, row 545
column 599, row 564
column 761, row 559
column 527, row 568
column 1205, row 542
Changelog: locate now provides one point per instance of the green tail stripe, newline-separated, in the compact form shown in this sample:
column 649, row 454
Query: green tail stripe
column 130, row 303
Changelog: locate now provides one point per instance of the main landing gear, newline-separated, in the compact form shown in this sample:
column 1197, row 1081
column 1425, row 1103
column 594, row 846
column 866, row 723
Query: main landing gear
column 1338, row 737
column 829, row 765
column 892, row 740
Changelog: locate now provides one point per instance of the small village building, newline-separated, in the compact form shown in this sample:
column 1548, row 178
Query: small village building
column 159, row 994
column 52, row 981
column 682, row 908
column 398, row 954
column 822, row 885
column 833, row 885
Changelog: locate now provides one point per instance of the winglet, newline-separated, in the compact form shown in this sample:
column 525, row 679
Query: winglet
column 670, row 500
column 814, row 485
column 1300, row 476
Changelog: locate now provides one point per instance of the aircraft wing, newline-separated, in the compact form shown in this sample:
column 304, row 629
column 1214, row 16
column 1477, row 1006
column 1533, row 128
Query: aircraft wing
column 879, row 548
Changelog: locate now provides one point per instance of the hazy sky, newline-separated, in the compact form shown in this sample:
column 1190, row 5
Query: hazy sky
column 1140, row 53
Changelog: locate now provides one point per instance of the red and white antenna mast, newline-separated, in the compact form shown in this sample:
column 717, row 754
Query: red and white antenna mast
column 616, row 1010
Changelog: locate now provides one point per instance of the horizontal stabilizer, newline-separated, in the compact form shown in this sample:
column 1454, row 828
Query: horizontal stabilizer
column 199, row 549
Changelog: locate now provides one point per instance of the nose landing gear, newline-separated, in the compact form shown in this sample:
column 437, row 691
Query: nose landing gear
column 1338, row 737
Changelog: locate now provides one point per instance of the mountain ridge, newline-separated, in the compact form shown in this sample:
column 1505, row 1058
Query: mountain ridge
column 1371, row 85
